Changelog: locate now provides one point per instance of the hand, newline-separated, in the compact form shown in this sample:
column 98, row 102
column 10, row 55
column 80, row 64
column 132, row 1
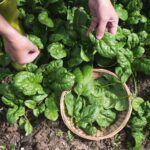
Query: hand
column 21, row 50
column 104, row 17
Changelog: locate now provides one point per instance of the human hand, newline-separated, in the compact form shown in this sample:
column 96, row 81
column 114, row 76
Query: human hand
column 20, row 49
column 104, row 17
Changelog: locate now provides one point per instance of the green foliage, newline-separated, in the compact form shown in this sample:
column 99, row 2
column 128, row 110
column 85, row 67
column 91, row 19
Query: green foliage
column 36, row 40
column 28, row 83
column 57, row 51
column 95, row 103
column 60, row 27
column 45, row 20
column 51, row 111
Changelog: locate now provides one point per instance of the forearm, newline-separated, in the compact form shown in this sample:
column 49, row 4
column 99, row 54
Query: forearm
column 5, row 28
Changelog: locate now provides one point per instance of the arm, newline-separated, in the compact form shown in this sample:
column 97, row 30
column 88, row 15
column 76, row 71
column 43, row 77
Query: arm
column 20, row 49
column 104, row 17
column 5, row 28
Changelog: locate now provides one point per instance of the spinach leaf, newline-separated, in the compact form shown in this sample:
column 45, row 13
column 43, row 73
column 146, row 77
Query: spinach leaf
column 28, row 83
column 51, row 111
column 70, row 102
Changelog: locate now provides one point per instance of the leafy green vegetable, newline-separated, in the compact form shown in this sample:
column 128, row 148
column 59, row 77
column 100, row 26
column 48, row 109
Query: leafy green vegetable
column 70, row 102
column 28, row 83
column 36, row 40
column 28, row 127
column 84, row 80
column 123, row 14
column 51, row 111
column 57, row 51
column 127, row 53
column 30, row 104
column 106, row 118
column 45, row 20
column 94, row 104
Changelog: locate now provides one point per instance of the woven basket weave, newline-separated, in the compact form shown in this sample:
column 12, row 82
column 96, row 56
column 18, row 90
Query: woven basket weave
column 109, row 132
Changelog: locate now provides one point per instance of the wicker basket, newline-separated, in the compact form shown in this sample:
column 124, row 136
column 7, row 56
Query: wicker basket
column 109, row 132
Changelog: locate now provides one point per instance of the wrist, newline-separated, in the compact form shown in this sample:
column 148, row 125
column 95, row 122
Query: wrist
column 104, row 2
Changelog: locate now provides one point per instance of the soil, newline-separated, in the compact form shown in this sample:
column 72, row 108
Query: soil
column 49, row 135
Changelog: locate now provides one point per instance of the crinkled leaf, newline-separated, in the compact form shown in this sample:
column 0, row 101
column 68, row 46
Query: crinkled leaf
column 45, row 19
column 57, row 51
column 28, row 128
column 51, row 111
column 106, row 118
column 30, row 104
column 70, row 102
column 36, row 40
column 28, row 83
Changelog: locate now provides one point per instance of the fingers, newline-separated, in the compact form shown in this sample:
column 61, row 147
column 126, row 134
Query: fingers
column 101, row 29
column 93, row 25
column 29, row 56
column 112, row 26
column 32, row 54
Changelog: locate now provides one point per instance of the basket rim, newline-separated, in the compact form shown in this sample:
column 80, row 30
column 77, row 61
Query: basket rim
column 90, row 137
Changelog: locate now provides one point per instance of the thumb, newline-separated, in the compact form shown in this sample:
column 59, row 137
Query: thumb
column 101, row 29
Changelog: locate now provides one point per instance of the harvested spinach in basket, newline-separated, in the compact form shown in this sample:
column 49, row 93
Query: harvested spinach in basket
column 95, row 104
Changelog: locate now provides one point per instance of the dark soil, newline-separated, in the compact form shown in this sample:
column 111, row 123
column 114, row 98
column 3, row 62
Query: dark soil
column 49, row 135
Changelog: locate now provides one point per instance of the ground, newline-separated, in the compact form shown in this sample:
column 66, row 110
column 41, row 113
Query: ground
column 49, row 135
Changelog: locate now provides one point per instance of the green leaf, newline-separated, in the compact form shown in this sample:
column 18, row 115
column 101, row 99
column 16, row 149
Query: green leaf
column 56, row 37
column 61, row 80
column 122, row 104
column 90, row 130
column 22, row 122
column 89, row 114
column 123, row 14
column 36, row 40
column 136, row 103
column 41, row 108
column 70, row 102
column 142, row 64
column 54, row 65
column 45, row 20
column 29, row 20
column 28, row 128
column 84, row 56
column 75, row 57
column 57, row 51
column 84, row 80
column 80, row 18
column 51, row 111
column 138, row 52
column 106, row 118
column 139, row 138
column 138, row 123
column 133, row 40
column 11, row 116
column 14, row 113
column 39, row 98
column 8, row 102
column 108, row 47
column 78, row 106
column 31, row 67
column 28, row 83
column 36, row 112
column 30, row 104
column 20, row 111
column 4, row 60
column 4, row 72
